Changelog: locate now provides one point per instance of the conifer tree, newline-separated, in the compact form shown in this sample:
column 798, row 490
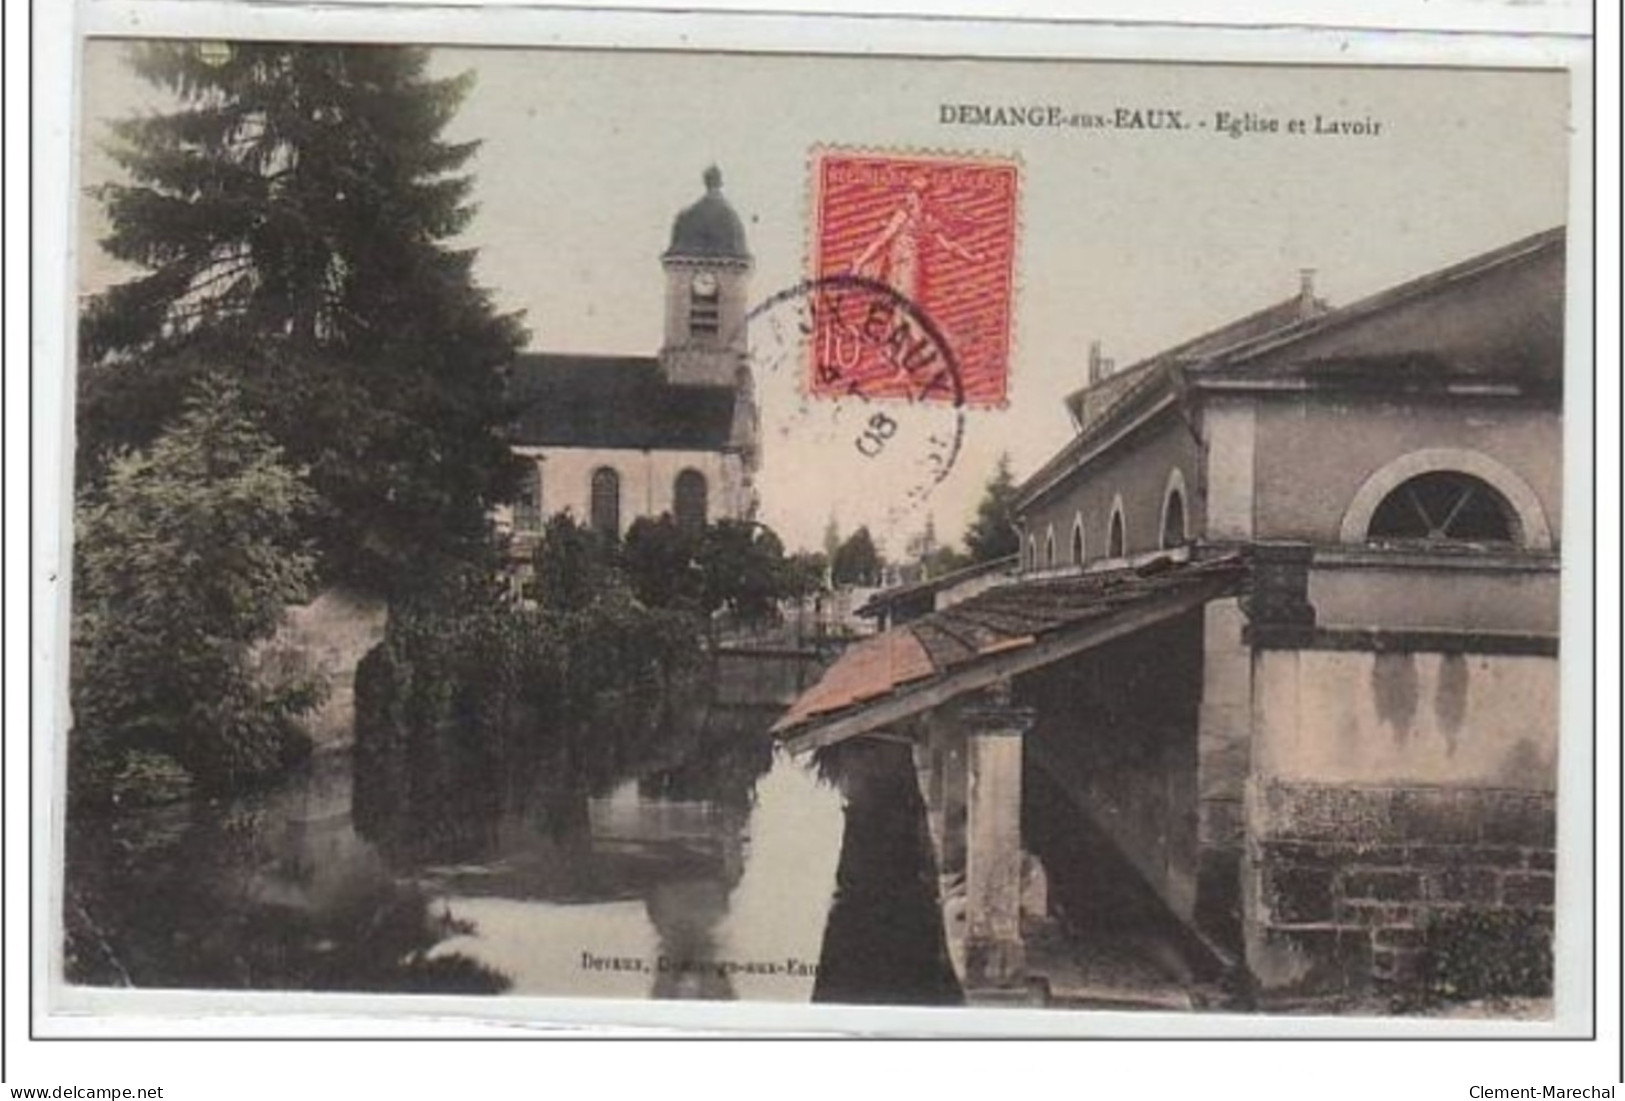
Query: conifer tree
column 291, row 215
column 992, row 535
column 858, row 560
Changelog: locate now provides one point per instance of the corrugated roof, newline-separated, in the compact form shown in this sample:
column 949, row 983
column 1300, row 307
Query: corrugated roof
column 615, row 401
column 1000, row 632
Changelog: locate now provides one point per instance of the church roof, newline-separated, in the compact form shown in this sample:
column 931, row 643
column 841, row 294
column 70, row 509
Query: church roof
column 614, row 402
column 709, row 229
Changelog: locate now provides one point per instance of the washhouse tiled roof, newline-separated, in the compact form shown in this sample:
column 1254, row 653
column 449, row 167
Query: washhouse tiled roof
column 1005, row 631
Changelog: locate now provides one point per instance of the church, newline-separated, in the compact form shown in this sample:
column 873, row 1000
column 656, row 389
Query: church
column 611, row 438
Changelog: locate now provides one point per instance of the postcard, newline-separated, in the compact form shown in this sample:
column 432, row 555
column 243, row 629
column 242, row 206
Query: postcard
column 1064, row 539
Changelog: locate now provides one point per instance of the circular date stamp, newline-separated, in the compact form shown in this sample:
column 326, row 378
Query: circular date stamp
column 904, row 324
column 878, row 394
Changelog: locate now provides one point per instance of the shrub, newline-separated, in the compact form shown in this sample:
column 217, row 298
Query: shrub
column 186, row 554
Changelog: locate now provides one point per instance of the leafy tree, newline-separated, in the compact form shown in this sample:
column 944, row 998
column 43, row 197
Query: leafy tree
column 662, row 559
column 809, row 574
column 992, row 535
column 745, row 569
column 735, row 565
column 857, row 561
column 187, row 553
column 574, row 565
column 290, row 216
column 945, row 560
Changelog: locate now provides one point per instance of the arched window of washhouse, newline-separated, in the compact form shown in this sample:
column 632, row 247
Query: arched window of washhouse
column 1443, row 506
column 1032, row 552
column 1174, row 521
column 527, row 506
column 1049, row 550
column 606, row 501
column 1077, row 540
column 689, row 500
column 1447, row 497
column 1116, row 540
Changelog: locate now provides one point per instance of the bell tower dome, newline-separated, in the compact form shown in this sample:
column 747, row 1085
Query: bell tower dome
column 707, row 269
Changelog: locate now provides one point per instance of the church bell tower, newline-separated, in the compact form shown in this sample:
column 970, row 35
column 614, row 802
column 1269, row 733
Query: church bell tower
column 707, row 286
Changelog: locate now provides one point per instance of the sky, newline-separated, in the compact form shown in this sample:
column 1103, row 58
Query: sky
column 1139, row 239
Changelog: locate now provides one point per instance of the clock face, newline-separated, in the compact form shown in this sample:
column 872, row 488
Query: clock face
column 705, row 284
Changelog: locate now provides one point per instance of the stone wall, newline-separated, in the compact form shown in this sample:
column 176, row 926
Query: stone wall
column 1140, row 476
column 648, row 482
column 1397, row 778
column 1315, row 451
column 1406, row 717
column 327, row 638
column 1344, row 881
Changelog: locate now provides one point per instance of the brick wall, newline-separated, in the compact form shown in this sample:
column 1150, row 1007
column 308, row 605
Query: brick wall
column 1344, row 880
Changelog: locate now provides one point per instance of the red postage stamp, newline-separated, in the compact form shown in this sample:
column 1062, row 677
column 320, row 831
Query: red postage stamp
column 913, row 242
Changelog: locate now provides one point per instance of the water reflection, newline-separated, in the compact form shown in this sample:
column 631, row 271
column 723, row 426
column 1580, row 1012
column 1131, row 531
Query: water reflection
column 697, row 867
column 680, row 883
column 267, row 892
column 884, row 941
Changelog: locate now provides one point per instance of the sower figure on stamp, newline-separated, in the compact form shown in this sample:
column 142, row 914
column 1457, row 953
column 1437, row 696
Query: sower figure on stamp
column 893, row 257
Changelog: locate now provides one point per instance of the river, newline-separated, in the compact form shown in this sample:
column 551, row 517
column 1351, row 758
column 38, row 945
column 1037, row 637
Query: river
column 711, row 867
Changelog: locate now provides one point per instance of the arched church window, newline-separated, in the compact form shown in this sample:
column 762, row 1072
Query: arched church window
column 606, row 501
column 1173, row 520
column 527, row 507
column 704, row 305
column 1443, row 506
column 1115, row 542
column 689, row 500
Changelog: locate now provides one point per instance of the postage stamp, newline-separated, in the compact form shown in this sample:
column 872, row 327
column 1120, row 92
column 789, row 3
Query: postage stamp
column 940, row 231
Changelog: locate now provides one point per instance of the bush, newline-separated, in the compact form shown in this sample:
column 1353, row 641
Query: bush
column 150, row 779
column 186, row 554
column 1480, row 953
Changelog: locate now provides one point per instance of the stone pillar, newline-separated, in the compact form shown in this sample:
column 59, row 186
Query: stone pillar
column 952, row 789
column 930, row 766
column 1223, row 763
column 994, row 956
column 1278, row 610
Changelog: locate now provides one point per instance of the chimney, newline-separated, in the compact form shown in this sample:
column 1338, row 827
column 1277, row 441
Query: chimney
column 1308, row 305
column 1100, row 367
